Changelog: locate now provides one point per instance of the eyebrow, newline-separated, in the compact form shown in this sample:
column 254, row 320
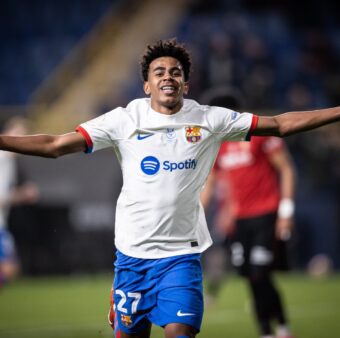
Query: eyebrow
column 163, row 68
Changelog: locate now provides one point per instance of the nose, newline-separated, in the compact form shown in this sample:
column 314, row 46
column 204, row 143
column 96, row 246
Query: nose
column 168, row 76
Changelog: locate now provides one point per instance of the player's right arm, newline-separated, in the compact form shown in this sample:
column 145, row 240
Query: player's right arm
column 51, row 146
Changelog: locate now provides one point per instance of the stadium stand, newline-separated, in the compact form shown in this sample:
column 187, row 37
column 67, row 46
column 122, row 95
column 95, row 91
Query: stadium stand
column 66, row 51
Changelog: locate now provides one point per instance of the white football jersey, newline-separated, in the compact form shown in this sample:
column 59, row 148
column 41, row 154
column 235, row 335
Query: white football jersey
column 165, row 160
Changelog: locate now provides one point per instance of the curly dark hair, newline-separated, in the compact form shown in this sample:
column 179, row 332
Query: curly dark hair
column 166, row 48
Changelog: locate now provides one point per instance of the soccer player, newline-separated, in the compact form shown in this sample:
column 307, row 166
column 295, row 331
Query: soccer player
column 11, row 192
column 166, row 146
column 260, row 178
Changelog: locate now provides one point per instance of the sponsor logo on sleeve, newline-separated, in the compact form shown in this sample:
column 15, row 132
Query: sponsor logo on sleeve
column 234, row 114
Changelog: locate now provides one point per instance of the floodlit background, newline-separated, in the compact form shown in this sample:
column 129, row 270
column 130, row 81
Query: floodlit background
column 65, row 61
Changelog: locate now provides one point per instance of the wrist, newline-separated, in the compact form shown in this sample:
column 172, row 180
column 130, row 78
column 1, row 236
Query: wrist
column 286, row 208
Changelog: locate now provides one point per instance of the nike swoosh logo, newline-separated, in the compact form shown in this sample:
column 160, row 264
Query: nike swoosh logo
column 142, row 137
column 182, row 314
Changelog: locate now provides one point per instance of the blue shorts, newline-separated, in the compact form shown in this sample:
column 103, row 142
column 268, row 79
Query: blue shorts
column 160, row 291
column 7, row 247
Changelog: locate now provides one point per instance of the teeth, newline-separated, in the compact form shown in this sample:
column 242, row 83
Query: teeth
column 168, row 88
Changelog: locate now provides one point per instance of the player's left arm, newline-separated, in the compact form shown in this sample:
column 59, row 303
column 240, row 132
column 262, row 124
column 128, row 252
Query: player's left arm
column 294, row 122
column 283, row 164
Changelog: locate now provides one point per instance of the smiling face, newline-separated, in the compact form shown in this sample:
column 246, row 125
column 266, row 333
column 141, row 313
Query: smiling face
column 166, row 85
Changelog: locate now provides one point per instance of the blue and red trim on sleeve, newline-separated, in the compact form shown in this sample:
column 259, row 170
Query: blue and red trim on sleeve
column 253, row 125
column 87, row 137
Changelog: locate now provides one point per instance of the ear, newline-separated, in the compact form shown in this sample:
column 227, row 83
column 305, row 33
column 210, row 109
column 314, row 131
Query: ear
column 186, row 88
column 146, row 88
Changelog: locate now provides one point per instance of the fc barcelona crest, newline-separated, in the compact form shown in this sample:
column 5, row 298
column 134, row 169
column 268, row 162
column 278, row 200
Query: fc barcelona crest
column 193, row 134
column 126, row 320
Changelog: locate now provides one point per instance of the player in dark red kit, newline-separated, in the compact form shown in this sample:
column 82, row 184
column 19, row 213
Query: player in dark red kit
column 256, row 210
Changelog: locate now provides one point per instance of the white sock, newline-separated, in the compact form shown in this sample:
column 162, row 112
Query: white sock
column 283, row 331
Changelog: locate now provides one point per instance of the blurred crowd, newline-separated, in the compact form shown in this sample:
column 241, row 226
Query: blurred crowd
column 267, row 54
column 36, row 36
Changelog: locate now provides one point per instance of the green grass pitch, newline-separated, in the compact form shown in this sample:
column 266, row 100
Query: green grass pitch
column 76, row 307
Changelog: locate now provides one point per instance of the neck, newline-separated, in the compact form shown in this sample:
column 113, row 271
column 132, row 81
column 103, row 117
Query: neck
column 166, row 109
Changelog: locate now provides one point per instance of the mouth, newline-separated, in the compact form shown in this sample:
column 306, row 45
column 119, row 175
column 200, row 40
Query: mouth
column 169, row 89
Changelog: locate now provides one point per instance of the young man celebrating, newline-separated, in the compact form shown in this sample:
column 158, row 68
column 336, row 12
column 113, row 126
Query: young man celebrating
column 166, row 146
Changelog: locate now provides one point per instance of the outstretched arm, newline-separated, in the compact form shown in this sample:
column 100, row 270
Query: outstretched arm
column 51, row 146
column 294, row 122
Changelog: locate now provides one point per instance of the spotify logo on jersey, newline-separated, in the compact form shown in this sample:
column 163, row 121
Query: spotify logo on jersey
column 150, row 165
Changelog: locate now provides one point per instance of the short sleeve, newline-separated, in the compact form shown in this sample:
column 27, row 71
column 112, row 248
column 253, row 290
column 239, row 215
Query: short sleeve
column 104, row 130
column 229, row 125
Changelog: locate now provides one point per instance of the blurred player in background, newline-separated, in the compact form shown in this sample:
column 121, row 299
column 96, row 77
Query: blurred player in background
column 11, row 192
column 256, row 183
column 166, row 146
